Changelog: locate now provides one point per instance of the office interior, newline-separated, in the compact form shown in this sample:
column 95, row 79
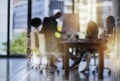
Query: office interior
column 15, row 26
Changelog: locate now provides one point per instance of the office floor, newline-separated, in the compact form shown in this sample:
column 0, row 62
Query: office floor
column 15, row 69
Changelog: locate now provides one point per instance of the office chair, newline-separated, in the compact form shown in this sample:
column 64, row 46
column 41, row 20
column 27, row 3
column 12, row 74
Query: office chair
column 110, row 43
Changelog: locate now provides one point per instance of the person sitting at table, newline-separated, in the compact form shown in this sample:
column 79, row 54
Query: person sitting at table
column 110, row 34
column 91, row 33
column 110, row 25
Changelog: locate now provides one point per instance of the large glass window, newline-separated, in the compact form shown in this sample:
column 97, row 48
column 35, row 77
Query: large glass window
column 19, row 16
column 87, row 13
column 3, row 26
column 88, row 10
column 18, row 27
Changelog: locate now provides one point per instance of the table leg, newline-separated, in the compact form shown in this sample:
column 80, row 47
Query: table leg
column 101, row 64
column 66, row 61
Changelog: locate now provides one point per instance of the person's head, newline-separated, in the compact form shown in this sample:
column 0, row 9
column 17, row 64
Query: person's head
column 57, row 15
column 36, row 22
column 110, row 21
column 91, row 25
column 92, row 30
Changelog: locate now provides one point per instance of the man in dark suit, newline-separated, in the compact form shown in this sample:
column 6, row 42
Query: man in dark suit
column 49, row 28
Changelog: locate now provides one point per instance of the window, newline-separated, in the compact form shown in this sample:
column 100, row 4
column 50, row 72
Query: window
column 18, row 28
column 3, row 26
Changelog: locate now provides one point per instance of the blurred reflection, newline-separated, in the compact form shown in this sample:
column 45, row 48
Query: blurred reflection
column 3, row 70
column 15, row 70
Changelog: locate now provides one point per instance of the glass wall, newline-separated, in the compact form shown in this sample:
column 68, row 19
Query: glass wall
column 87, row 9
column 19, row 16
column 18, row 27
column 87, row 12
column 3, row 26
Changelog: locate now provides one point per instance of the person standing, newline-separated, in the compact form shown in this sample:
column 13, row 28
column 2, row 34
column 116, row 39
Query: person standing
column 49, row 28
column 33, row 46
column 35, row 23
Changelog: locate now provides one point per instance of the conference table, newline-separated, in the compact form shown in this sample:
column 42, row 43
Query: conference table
column 85, row 44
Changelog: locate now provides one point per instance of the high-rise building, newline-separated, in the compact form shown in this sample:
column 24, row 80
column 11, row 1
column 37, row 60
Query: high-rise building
column 40, row 9
column 55, row 5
